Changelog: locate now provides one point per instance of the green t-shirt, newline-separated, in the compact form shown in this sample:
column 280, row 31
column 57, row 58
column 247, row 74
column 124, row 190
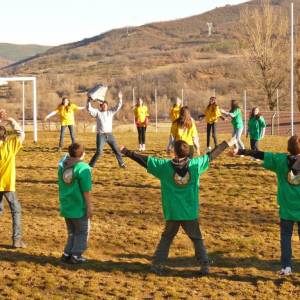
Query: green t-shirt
column 179, row 202
column 255, row 127
column 237, row 121
column 288, row 195
column 72, row 202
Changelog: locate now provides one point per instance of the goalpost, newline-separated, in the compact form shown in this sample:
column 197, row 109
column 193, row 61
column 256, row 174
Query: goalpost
column 5, row 80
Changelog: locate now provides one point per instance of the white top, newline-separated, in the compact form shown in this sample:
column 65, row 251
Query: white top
column 104, row 118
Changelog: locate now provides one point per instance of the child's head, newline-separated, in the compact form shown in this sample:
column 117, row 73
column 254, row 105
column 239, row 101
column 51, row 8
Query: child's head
column 181, row 149
column 234, row 105
column 65, row 101
column 76, row 150
column 294, row 145
column 104, row 106
column 212, row 100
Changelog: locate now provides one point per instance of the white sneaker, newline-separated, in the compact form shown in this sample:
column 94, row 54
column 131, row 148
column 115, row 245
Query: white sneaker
column 286, row 271
column 143, row 147
column 140, row 147
column 208, row 149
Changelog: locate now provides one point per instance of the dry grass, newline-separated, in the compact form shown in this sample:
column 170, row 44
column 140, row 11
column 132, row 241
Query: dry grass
column 238, row 218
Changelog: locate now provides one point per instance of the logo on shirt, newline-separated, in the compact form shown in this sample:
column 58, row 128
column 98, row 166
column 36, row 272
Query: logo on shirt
column 182, row 180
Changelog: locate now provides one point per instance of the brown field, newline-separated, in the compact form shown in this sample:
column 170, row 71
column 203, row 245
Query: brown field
column 238, row 217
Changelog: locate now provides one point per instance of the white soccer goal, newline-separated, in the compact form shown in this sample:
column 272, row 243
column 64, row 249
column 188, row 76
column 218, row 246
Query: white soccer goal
column 5, row 80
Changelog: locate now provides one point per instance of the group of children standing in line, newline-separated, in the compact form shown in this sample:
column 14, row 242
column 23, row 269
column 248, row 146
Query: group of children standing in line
column 179, row 177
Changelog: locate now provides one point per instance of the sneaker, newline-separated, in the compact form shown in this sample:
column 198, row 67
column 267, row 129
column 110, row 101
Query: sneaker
column 158, row 269
column 204, row 270
column 286, row 271
column 123, row 166
column 143, row 147
column 74, row 259
column 140, row 147
column 65, row 257
column 208, row 149
column 18, row 243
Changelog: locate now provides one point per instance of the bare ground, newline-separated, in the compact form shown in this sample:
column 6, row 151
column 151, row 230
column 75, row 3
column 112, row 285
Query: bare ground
column 239, row 221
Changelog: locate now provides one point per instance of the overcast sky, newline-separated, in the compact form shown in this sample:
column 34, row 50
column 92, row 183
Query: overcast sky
column 54, row 22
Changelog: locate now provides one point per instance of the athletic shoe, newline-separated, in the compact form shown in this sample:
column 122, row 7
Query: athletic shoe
column 140, row 147
column 286, row 271
column 18, row 243
column 158, row 269
column 208, row 149
column 204, row 270
column 65, row 257
column 74, row 259
column 143, row 147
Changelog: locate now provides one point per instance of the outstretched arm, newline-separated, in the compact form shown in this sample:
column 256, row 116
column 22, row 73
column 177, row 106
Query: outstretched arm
column 220, row 148
column 81, row 107
column 140, row 159
column 53, row 113
column 17, row 129
column 253, row 153
column 92, row 111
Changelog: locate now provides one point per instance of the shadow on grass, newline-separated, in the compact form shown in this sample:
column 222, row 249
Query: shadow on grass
column 142, row 268
column 43, row 181
column 238, row 166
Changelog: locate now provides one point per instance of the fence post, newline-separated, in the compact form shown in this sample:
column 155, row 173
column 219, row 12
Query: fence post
column 133, row 104
column 245, row 111
column 155, row 94
column 277, row 103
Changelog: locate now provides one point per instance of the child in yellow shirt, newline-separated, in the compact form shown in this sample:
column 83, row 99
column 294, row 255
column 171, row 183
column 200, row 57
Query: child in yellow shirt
column 141, row 117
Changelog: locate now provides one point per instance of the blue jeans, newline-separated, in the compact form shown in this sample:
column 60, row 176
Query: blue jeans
column 237, row 133
column 62, row 134
column 15, row 209
column 78, row 231
column 286, row 232
column 101, row 140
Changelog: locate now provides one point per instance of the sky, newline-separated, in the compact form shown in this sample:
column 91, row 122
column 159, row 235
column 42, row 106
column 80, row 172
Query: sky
column 55, row 22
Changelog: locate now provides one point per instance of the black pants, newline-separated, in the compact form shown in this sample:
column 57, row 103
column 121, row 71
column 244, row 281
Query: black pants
column 254, row 145
column 211, row 128
column 286, row 232
column 142, row 135
column 192, row 229
column 101, row 140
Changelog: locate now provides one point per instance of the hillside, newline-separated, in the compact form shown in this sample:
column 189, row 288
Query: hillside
column 14, row 52
column 168, row 55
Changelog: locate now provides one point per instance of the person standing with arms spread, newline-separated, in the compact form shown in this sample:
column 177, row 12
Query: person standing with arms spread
column 104, row 118
column 256, row 128
column 141, row 116
column 237, row 122
column 184, row 128
column 9, row 147
column 66, row 113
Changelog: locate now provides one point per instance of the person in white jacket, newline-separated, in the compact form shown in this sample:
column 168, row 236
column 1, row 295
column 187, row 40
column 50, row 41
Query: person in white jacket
column 104, row 118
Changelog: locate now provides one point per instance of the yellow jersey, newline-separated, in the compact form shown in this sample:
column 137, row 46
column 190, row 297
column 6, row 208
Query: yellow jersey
column 174, row 112
column 67, row 115
column 8, row 151
column 185, row 134
column 212, row 114
column 141, row 114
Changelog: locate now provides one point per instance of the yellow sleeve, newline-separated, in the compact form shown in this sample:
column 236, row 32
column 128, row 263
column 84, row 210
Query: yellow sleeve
column 218, row 112
column 74, row 107
column 174, row 130
column 15, row 145
column 136, row 113
column 194, row 131
column 146, row 111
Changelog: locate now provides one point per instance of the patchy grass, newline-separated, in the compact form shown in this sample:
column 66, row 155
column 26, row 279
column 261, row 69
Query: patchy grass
column 239, row 221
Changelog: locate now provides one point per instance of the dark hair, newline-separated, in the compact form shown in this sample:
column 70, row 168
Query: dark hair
column 234, row 105
column 74, row 149
column 182, row 149
column 185, row 119
column 252, row 115
column 294, row 145
column 63, row 102
column 2, row 128
column 104, row 102
column 139, row 99
column 214, row 104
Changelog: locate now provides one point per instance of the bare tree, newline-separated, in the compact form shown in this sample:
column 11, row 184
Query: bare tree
column 263, row 36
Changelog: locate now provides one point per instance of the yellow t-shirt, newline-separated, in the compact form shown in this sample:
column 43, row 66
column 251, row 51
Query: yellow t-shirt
column 174, row 112
column 185, row 134
column 212, row 114
column 8, row 151
column 140, row 114
column 67, row 115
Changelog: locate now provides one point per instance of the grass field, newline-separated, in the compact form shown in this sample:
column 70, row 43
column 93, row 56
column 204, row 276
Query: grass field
column 239, row 221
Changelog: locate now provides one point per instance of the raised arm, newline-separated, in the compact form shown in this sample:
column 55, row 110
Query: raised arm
column 53, row 113
column 220, row 148
column 81, row 107
column 17, row 129
column 92, row 111
column 253, row 153
column 140, row 159
column 119, row 105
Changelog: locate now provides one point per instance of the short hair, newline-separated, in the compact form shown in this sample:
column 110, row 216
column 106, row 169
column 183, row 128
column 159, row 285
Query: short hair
column 105, row 102
column 4, row 132
column 76, row 150
column 294, row 145
column 182, row 149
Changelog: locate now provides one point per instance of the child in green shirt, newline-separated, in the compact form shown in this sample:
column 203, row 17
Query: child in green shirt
column 287, row 168
column 179, row 180
column 75, row 185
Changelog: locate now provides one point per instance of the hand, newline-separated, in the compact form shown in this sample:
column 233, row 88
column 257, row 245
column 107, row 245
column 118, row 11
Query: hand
column 232, row 142
column 198, row 152
column 233, row 152
column 120, row 95
column 3, row 115
column 122, row 148
column 89, row 213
